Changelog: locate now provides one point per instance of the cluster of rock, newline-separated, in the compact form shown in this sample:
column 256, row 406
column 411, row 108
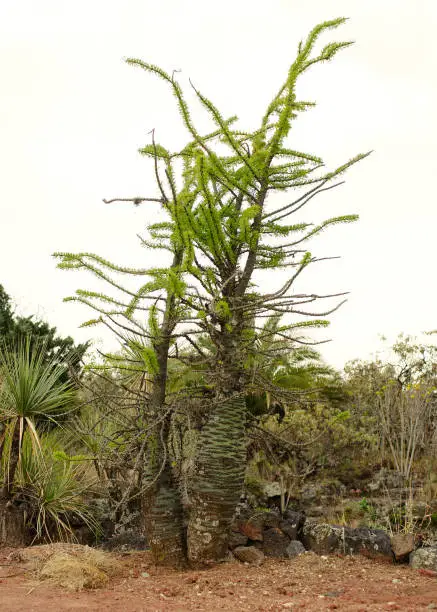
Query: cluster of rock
column 268, row 534
column 323, row 499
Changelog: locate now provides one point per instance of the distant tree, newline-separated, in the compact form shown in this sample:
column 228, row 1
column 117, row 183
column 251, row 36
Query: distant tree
column 14, row 329
column 397, row 395
column 6, row 313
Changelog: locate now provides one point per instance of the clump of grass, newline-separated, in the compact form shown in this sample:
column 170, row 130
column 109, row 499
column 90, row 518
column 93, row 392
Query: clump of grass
column 73, row 567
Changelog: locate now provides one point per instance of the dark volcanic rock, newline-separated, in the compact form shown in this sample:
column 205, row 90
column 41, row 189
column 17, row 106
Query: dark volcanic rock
column 271, row 519
column 126, row 541
column 236, row 538
column 323, row 538
column 292, row 524
column 275, row 543
column 295, row 517
column 13, row 530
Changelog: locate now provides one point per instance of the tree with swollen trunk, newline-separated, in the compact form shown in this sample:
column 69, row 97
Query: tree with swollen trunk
column 232, row 228
column 224, row 229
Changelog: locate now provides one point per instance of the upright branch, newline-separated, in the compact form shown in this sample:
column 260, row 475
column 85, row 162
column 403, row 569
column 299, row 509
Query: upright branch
column 145, row 320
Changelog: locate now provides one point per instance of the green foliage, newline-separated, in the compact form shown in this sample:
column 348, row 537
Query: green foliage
column 30, row 386
column 35, row 465
column 364, row 504
column 6, row 314
column 14, row 330
column 55, row 490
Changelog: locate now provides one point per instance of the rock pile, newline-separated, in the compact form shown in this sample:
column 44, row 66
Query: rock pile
column 268, row 534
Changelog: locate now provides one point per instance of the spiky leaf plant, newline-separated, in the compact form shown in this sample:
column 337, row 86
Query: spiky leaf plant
column 31, row 390
column 54, row 487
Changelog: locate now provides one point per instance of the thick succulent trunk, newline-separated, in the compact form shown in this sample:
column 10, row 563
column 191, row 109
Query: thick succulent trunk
column 218, row 481
column 163, row 515
column 13, row 531
column 11, row 465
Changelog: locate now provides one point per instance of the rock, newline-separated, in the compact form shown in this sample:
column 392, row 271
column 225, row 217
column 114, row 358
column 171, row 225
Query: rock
column 126, row 541
column 386, row 479
column 427, row 572
column 322, row 538
column 272, row 489
column 425, row 558
column 275, row 543
column 294, row 549
column 252, row 530
column 310, row 494
column 249, row 554
column 289, row 528
column 368, row 542
column 316, row 511
column 321, row 493
column 402, row 544
column 292, row 524
column 293, row 516
column 271, row 519
column 236, row 538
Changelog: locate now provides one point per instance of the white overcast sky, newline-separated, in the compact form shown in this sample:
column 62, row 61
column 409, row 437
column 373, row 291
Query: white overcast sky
column 72, row 116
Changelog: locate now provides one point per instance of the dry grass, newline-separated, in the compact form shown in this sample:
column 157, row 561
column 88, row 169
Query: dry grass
column 70, row 566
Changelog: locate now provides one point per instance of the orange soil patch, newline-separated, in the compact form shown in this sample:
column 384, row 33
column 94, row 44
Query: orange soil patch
column 309, row 583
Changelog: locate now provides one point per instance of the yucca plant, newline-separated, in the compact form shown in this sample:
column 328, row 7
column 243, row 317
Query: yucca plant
column 53, row 486
column 32, row 391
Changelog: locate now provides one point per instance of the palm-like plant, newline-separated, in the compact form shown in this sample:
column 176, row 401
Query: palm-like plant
column 54, row 486
column 32, row 390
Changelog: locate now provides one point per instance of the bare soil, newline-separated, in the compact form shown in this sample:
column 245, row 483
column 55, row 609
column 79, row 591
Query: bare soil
column 309, row 582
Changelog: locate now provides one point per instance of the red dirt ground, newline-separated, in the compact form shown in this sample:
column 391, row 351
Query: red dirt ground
column 309, row 582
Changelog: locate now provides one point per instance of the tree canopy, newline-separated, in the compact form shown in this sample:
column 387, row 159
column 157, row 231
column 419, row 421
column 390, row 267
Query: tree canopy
column 15, row 329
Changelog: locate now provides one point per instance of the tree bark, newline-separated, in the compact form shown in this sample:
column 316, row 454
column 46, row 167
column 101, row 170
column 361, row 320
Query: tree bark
column 11, row 465
column 218, row 483
column 13, row 530
column 163, row 514
column 163, row 517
